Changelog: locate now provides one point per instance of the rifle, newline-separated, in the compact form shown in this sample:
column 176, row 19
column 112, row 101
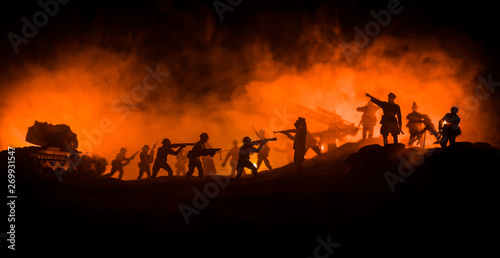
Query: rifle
column 175, row 145
column 263, row 141
column 131, row 158
column 203, row 152
column 151, row 155
column 286, row 131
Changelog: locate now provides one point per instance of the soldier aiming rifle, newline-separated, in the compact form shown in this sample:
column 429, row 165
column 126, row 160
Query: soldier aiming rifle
column 195, row 154
column 163, row 152
column 244, row 154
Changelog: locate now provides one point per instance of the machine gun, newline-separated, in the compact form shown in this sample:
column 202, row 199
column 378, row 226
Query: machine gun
column 263, row 141
column 175, row 145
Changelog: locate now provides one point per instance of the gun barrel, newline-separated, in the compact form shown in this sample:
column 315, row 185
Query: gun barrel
column 175, row 145
column 264, row 141
column 285, row 131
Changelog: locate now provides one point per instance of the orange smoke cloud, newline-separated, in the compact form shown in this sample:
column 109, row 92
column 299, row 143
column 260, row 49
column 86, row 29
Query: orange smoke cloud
column 101, row 95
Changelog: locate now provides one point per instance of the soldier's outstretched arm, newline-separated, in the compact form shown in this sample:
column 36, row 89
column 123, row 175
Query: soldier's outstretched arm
column 178, row 150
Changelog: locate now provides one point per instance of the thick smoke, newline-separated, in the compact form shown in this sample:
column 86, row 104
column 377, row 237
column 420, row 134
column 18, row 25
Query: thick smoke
column 115, row 90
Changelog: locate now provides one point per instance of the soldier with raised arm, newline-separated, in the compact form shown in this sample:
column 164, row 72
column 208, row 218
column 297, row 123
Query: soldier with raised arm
column 263, row 155
column 391, row 120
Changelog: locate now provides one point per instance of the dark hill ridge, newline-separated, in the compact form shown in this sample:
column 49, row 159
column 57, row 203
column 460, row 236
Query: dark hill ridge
column 443, row 201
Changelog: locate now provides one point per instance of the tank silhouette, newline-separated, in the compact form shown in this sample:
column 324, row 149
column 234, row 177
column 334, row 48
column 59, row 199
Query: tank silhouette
column 57, row 151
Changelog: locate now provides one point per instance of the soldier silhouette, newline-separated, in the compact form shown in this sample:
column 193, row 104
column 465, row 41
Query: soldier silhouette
column 145, row 161
column 119, row 162
column 368, row 119
column 244, row 156
column 449, row 127
column 161, row 157
column 299, row 142
column 195, row 154
column 232, row 156
column 181, row 163
column 390, row 124
column 263, row 155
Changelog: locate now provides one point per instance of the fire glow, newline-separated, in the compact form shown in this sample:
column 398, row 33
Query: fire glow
column 84, row 89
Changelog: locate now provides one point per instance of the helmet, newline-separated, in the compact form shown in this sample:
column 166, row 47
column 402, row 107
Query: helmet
column 235, row 142
column 247, row 139
column 166, row 141
column 454, row 110
column 204, row 136
column 145, row 147
column 123, row 150
column 392, row 95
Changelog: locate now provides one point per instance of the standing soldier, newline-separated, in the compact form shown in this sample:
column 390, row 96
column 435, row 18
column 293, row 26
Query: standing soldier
column 118, row 163
column 244, row 156
column 299, row 142
column 449, row 127
column 233, row 154
column 181, row 163
column 264, row 152
column 368, row 119
column 146, row 160
column 161, row 157
column 390, row 124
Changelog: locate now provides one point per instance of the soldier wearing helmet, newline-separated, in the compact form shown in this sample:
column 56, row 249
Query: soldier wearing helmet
column 390, row 124
column 119, row 162
column 161, row 157
column 449, row 127
column 195, row 154
column 244, row 156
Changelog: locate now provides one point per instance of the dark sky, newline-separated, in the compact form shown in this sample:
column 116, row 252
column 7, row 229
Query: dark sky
column 174, row 23
column 173, row 28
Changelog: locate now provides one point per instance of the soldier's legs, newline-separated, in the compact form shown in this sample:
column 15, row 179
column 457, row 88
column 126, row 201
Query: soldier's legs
column 168, row 169
column 199, row 166
column 148, row 171
column 156, row 168
column 259, row 162
column 120, row 175
column 112, row 172
column 239, row 170
column 370, row 132
column 267, row 163
column 233, row 169
column 385, row 139
column 298, row 159
column 365, row 132
column 141, row 172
